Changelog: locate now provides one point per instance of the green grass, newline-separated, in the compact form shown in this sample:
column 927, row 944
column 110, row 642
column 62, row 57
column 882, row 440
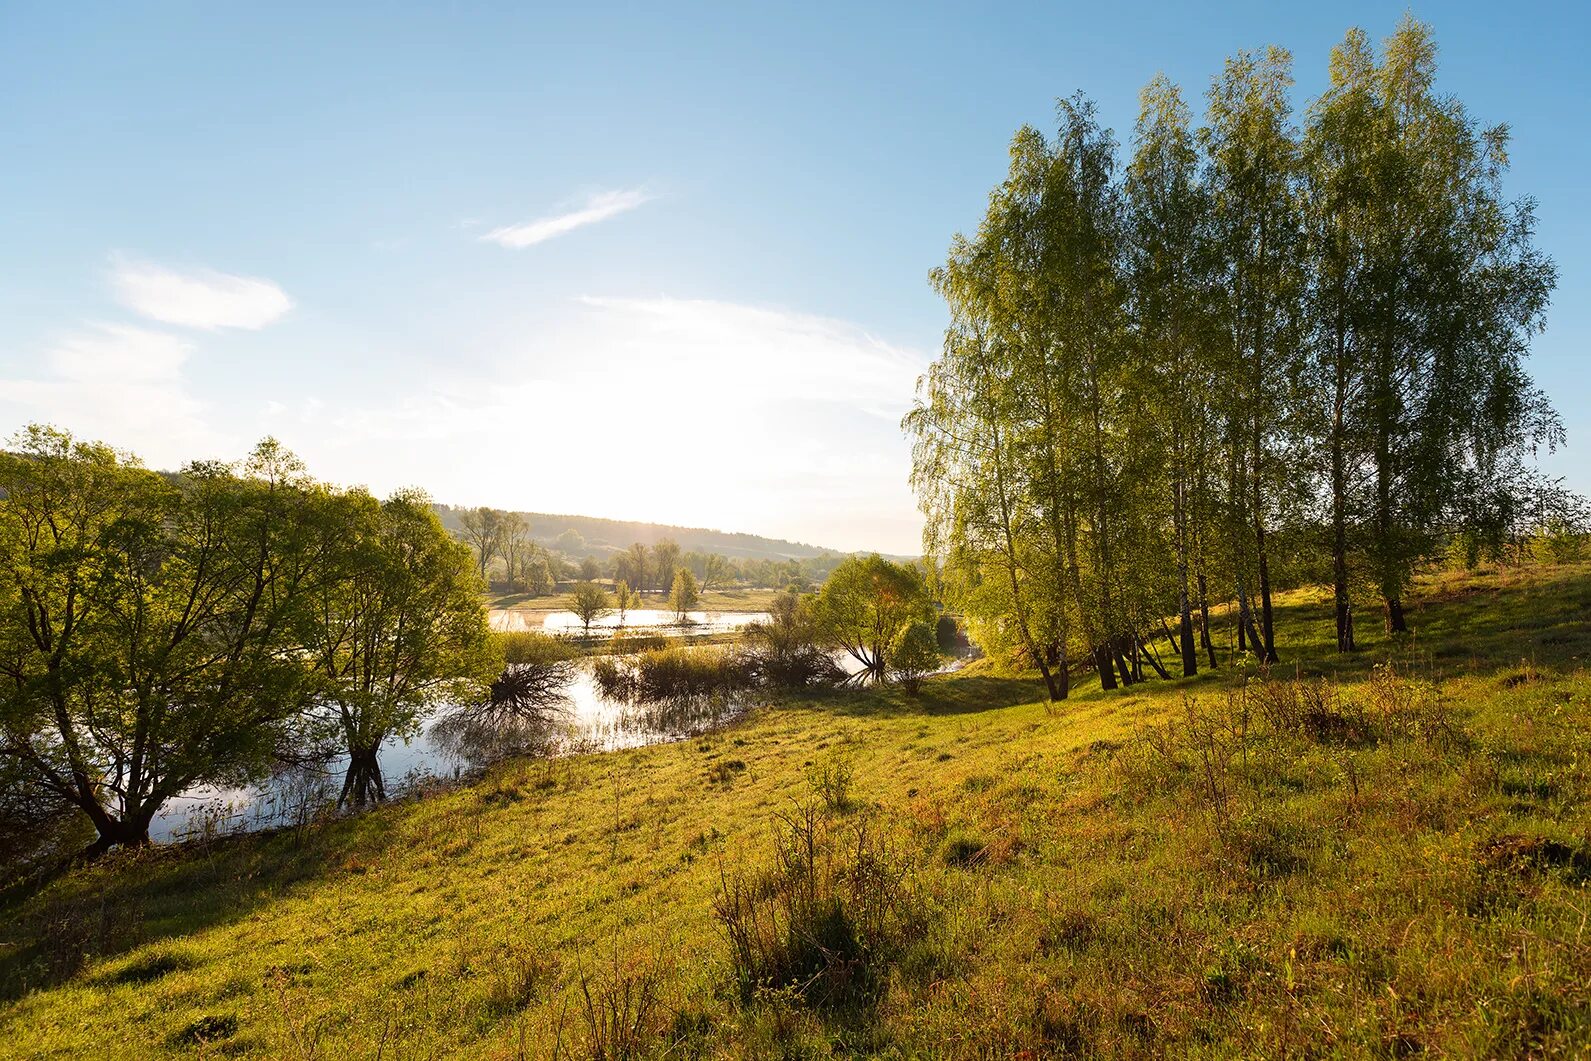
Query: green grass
column 1372, row 862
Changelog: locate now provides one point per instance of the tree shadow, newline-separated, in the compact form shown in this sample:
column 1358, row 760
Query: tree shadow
column 51, row 931
column 948, row 694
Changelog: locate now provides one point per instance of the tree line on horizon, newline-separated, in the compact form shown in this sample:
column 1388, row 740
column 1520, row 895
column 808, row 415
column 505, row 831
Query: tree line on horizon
column 1269, row 349
column 509, row 559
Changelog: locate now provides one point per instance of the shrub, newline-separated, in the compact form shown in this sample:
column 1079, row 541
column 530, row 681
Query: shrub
column 914, row 654
column 207, row 1029
column 830, row 779
column 834, row 908
column 625, row 641
column 784, row 651
column 623, row 1010
column 948, row 635
column 1313, row 709
column 672, row 675
column 532, row 647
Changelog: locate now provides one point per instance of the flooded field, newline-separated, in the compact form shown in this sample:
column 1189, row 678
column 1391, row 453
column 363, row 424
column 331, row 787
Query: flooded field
column 638, row 620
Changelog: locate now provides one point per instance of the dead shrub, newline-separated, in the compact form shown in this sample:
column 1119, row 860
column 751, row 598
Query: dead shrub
column 1412, row 708
column 1314, row 709
column 834, row 908
column 622, row 1007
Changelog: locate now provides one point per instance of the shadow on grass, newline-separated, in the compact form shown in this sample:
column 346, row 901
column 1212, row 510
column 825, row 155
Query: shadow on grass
column 1484, row 624
column 130, row 899
column 951, row 694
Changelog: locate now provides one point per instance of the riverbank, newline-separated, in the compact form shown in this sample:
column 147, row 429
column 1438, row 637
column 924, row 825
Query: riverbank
column 1195, row 867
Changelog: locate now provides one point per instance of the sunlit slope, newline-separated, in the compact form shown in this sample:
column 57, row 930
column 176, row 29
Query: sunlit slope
column 1392, row 862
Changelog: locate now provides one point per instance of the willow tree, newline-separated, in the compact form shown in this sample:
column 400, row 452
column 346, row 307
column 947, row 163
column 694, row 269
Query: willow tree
column 398, row 630
column 150, row 640
column 863, row 605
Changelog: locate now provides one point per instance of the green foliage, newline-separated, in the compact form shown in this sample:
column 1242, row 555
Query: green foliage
column 398, row 628
column 1389, row 834
column 522, row 647
column 153, row 626
column 624, row 598
column 786, row 651
column 914, row 654
column 825, row 918
column 684, row 596
column 1232, row 368
column 166, row 632
column 590, row 602
column 665, row 561
column 673, row 675
column 830, row 779
column 864, row 602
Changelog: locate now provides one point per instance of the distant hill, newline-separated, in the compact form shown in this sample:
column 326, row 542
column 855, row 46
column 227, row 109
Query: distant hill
column 602, row 536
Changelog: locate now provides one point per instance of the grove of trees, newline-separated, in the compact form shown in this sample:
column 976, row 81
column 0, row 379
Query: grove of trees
column 1267, row 348
column 164, row 631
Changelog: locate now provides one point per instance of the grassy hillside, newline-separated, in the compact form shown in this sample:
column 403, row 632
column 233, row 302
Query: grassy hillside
column 1369, row 860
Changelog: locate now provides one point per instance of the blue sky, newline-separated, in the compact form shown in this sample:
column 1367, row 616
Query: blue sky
column 330, row 222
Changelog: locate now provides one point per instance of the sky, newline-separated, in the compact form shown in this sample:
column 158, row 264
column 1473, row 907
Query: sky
column 663, row 262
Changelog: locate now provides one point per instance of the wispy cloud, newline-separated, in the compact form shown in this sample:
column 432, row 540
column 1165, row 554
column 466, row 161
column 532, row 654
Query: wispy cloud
column 795, row 418
column 202, row 298
column 598, row 207
column 120, row 383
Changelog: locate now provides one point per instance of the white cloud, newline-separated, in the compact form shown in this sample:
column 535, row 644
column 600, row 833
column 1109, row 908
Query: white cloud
column 203, row 298
column 122, row 384
column 118, row 353
column 698, row 412
column 598, row 207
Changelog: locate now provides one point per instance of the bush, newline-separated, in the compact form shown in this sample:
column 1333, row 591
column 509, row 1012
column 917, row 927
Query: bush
column 830, row 779
column 37, row 829
column 914, row 654
column 784, row 652
column 626, row 641
column 623, row 1010
column 532, row 648
column 672, row 675
column 948, row 633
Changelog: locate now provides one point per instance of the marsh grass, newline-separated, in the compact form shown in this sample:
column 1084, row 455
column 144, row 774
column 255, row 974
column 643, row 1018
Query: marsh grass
column 1379, row 855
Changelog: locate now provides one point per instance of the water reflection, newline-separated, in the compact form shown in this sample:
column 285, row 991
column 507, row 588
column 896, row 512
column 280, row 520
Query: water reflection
column 448, row 747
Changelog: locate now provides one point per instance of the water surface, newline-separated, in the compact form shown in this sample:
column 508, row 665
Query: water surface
column 590, row 722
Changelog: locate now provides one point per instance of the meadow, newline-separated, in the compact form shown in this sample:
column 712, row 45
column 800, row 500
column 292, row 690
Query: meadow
column 1383, row 854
